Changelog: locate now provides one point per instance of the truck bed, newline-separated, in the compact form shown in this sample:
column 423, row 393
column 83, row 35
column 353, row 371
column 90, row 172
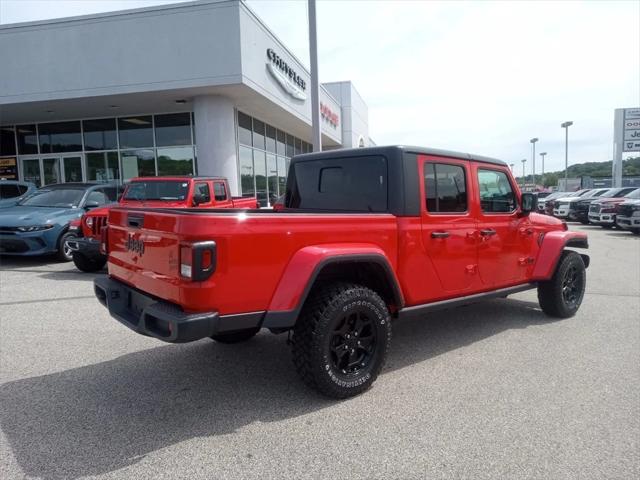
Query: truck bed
column 253, row 249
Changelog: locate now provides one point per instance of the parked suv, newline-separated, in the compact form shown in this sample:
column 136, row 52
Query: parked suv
column 366, row 236
column 565, row 207
column 579, row 209
column 628, row 212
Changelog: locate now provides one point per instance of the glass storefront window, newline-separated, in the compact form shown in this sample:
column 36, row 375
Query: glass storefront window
column 175, row 161
column 135, row 132
column 281, row 141
column 271, row 139
column 244, row 129
column 27, row 139
column 272, row 178
column 258, row 134
column 100, row 134
column 7, row 141
column 298, row 149
column 60, row 137
column 51, row 170
column 260, row 169
column 290, row 148
column 246, row 172
column 72, row 169
column 102, row 167
column 31, row 171
column 282, row 175
column 173, row 129
column 137, row 163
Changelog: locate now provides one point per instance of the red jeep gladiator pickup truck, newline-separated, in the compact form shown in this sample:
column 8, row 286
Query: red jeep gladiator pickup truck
column 164, row 192
column 365, row 236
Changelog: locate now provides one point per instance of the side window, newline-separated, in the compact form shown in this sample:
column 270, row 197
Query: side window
column 97, row 196
column 23, row 189
column 203, row 189
column 111, row 193
column 496, row 194
column 219, row 191
column 9, row 191
column 445, row 187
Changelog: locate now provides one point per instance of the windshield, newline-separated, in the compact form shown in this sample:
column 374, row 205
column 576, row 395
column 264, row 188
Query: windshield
column 59, row 197
column 633, row 194
column 157, row 190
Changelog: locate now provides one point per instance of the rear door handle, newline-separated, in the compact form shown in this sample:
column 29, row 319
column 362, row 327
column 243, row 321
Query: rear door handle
column 439, row 234
column 487, row 232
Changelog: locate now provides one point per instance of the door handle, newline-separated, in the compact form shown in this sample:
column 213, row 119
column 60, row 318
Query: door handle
column 439, row 234
column 526, row 231
column 487, row 232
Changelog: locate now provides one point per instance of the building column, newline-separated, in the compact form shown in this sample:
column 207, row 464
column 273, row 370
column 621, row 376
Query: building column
column 216, row 138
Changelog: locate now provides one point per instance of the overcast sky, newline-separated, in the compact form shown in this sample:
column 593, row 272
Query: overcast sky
column 475, row 76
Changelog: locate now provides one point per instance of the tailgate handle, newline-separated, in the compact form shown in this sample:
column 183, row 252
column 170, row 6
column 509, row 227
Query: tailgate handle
column 135, row 220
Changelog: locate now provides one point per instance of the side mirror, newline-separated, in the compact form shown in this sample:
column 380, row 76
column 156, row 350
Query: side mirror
column 91, row 204
column 198, row 198
column 529, row 203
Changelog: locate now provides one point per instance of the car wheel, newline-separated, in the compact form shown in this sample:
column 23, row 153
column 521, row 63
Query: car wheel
column 87, row 264
column 584, row 222
column 562, row 295
column 65, row 254
column 236, row 337
column 635, row 231
column 341, row 339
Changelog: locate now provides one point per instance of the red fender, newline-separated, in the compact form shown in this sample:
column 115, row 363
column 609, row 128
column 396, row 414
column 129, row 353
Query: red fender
column 306, row 263
column 552, row 246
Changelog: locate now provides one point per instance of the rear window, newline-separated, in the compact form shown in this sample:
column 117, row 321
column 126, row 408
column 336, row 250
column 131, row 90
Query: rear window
column 354, row 184
column 157, row 190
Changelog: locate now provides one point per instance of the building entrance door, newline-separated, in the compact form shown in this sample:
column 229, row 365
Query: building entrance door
column 50, row 169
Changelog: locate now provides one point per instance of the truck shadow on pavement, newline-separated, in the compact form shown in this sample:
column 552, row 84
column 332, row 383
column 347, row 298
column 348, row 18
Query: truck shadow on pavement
column 103, row 417
column 47, row 266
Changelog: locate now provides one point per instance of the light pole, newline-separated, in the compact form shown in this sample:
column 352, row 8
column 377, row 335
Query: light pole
column 315, row 99
column 542, row 154
column 524, row 160
column 533, row 159
column 566, row 126
column 512, row 165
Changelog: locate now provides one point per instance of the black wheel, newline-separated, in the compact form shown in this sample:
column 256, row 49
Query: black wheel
column 65, row 254
column 236, row 337
column 635, row 231
column 584, row 222
column 87, row 264
column 607, row 226
column 341, row 339
column 562, row 295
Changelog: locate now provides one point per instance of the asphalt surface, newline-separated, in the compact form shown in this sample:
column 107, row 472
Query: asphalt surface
column 494, row 390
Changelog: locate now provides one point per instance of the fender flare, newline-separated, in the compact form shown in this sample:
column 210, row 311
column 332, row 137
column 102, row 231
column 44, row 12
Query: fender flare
column 553, row 244
column 303, row 270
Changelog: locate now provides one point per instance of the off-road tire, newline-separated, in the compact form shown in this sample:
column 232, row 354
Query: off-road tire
column 314, row 338
column 236, row 337
column 63, row 254
column 86, row 264
column 568, row 282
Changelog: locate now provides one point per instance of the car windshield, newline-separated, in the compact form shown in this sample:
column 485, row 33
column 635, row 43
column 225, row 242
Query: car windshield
column 58, row 197
column 157, row 190
column 634, row 194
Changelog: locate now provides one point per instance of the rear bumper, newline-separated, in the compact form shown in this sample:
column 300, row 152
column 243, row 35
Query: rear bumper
column 88, row 247
column 151, row 317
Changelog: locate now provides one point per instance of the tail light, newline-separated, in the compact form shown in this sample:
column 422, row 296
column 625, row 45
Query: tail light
column 198, row 260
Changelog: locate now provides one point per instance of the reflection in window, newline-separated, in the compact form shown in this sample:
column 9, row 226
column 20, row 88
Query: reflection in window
column 272, row 178
column 27, row 139
column 135, row 132
column 219, row 191
column 31, row 171
column 137, row 163
column 59, row 137
column 72, row 169
column 173, row 129
column 496, row 194
column 175, row 161
column 281, row 143
column 271, row 139
column 258, row 134
column 260, row 169
column 100, row 134
column 244, row 129
column 51, row 170
column 282, row 175
column 246, row 172
column 102, row 167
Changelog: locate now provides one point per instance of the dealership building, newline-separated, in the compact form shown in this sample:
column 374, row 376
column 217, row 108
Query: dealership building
column 193, row 88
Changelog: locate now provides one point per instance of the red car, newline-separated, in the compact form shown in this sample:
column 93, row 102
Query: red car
column 366, row 237
column 152, row 192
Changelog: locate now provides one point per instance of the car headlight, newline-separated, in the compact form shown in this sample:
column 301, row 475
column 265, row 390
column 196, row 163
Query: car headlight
column 34, row 228
column 89, row 222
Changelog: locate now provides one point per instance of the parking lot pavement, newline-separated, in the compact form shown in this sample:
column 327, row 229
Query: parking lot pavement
column 493, row 390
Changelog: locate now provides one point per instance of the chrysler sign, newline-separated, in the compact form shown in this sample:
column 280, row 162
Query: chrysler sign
column 286, row 76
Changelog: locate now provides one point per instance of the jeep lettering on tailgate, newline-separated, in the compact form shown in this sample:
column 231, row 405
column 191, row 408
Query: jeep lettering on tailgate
column 135, row 245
